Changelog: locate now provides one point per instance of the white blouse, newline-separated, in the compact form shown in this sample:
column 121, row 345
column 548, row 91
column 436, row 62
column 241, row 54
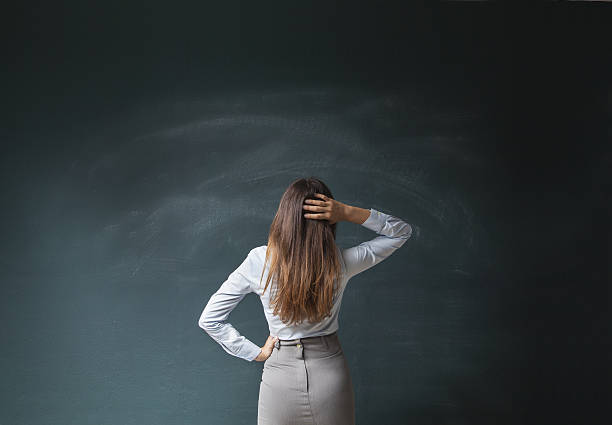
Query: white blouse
column 246, row 278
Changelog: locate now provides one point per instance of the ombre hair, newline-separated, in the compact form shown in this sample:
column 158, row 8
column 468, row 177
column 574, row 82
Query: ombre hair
column 304, row 260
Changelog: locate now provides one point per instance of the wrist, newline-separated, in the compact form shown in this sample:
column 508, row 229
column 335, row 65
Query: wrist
column 356, row 215
column 345, row 212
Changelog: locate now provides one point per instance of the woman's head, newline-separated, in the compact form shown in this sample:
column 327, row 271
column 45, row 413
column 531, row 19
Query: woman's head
column 304, row 261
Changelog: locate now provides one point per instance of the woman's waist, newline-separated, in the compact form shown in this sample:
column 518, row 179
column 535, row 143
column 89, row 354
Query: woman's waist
column 309, row 340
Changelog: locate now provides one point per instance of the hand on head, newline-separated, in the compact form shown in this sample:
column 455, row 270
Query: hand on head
column 324, row 208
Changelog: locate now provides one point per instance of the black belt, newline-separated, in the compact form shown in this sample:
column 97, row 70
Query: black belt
column 298, row 341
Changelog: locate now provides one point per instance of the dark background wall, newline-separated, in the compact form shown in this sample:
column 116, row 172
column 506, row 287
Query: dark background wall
column 146, row 146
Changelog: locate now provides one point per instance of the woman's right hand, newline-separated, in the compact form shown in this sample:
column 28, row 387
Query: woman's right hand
column 325, row 208
column 266, row 350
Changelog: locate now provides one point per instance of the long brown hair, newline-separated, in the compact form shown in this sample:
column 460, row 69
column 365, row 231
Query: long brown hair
column 304, row 261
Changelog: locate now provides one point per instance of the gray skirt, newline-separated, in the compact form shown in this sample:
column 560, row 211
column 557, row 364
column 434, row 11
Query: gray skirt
column 306, row 381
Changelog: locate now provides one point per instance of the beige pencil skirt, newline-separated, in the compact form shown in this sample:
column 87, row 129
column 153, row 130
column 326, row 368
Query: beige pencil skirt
column 306, row 381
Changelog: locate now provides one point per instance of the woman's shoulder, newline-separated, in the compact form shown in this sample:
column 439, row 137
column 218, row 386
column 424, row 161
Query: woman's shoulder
column 259, row 252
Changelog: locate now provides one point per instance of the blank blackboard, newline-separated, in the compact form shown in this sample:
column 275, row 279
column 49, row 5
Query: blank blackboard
column 146, row 153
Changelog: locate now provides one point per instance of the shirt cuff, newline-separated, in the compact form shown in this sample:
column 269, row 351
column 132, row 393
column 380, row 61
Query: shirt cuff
column 251, row 351
column 375, row 221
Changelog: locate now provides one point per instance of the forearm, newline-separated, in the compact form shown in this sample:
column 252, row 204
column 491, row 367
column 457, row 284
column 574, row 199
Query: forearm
column 355, row 214
column 230, row 339
column 261, row 356
column 393, row 233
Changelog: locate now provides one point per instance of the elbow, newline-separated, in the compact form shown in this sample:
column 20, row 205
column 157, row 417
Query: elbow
column 202, row 323
column 206, row 322
column 208, row 319
column 209, row 326
column 413, row 232
column 403, row 237
column 401, row 230
column 409, row 230
column 406, row 233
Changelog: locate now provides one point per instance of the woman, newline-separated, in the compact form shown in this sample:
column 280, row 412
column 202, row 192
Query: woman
column 305, row 378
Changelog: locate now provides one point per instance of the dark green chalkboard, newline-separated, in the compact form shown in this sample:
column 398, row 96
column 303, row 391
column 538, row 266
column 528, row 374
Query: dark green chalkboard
column 146, row 150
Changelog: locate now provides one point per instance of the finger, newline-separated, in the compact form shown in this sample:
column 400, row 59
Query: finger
column 271, row 342
column 320, row 216
column 315, row 201
column 324, row 197
column 314, row 207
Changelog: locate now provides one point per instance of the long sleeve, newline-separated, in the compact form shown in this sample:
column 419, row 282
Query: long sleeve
column 394, row 233
column 214, row 316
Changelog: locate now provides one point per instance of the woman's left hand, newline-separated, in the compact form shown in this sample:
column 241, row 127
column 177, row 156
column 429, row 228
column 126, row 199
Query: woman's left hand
column 266, row 350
